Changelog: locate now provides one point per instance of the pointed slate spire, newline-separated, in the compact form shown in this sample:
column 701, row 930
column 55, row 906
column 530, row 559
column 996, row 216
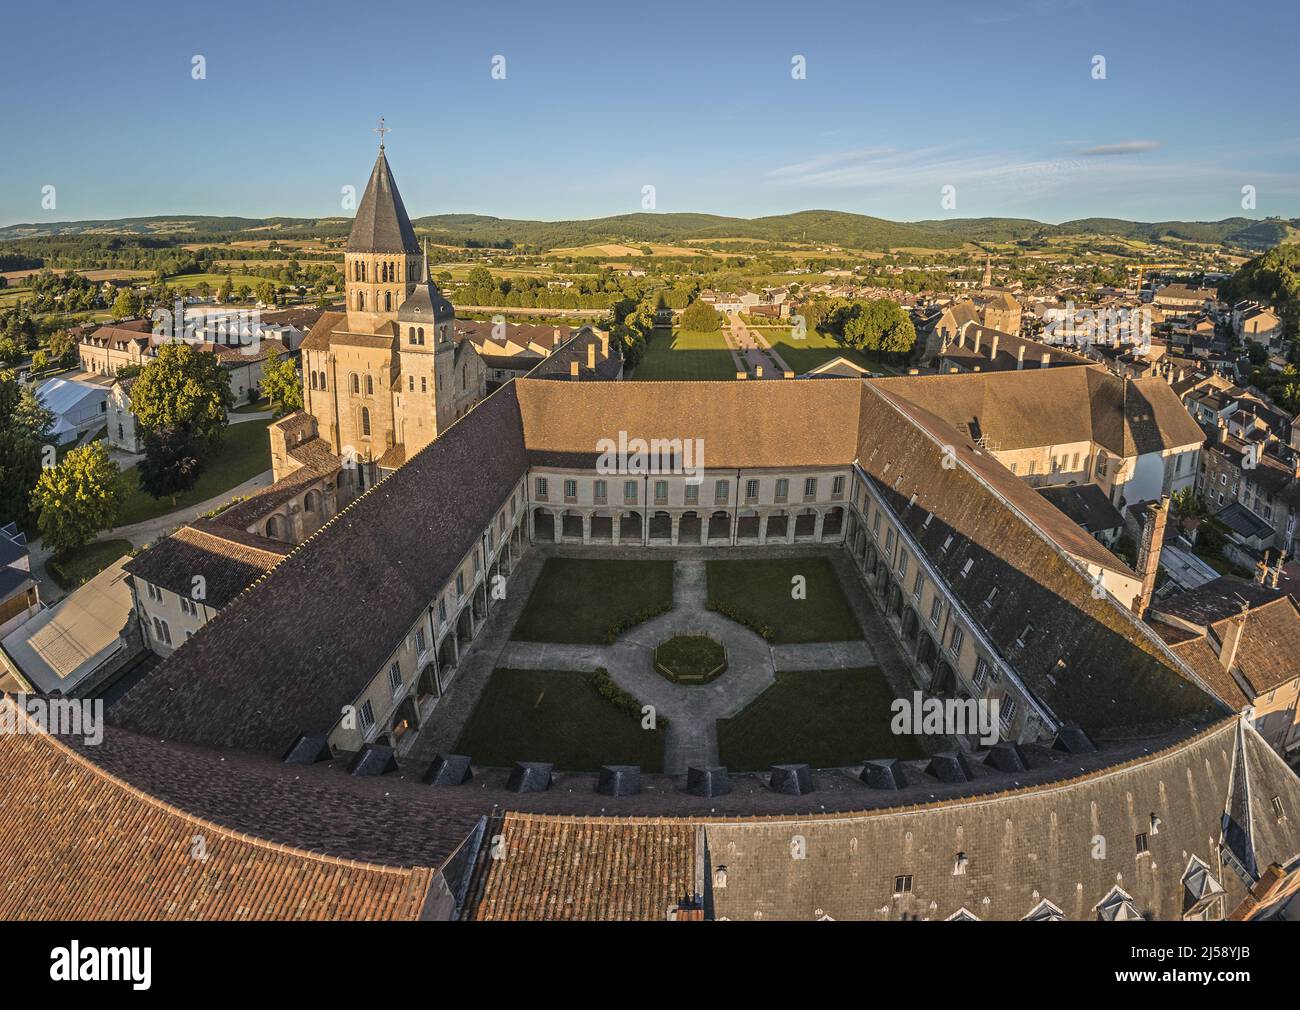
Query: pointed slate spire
column 381, row 224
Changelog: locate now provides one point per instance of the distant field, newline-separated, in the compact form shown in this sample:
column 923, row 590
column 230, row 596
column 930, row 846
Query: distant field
column 684, row 355
column 19, row 276
column 616, row 250
column 189, row 281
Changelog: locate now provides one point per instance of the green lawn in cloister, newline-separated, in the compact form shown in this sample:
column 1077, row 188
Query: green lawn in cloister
column 824, row 718
column 579, row 600
column 760, row 593
column 556, row 716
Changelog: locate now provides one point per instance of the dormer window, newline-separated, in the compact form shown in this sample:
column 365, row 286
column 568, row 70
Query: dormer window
column 1025, row 635
column 965, row 569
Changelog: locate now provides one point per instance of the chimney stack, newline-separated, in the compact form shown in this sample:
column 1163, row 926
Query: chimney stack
column 976, row 346
column 1047, row 359
column 1148, row 566
column 591, row 356
column 573, row 369
column 1262, row 570
column 1275, row 576
column 1232, row 638
column 993, row 350
column 1020, row 358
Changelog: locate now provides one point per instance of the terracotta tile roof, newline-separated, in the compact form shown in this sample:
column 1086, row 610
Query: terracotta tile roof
column 558, row 868
column 742, row 424
column 79, row 843
column 263, row 671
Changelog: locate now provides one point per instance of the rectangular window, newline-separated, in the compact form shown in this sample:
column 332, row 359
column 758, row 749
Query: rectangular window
column 721, row 491
column 419, row 639
column 539, row 486
column 903, row 884
column 837, row 487
column 692, row 493
column 424, row 383
column 875, row 525
column 958, row 636
column 810, row 488
column 661, row 492
column 442, row 611
column 629, row 492
column 965, row 569
column 902, row 563
column 460, row 585
column 1140, row 842
column 751, row 490
column 395, row 677
column 993, row 595
column 782, row 489
column 1006, row 710
column 889, row 541
column 936, row 611
column 367, row 716
column 570, row 489
column 981, row 672
column 919, row 588
column 599, row 490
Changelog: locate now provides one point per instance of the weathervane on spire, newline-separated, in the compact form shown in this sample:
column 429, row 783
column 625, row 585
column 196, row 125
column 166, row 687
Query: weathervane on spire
column 381, row 129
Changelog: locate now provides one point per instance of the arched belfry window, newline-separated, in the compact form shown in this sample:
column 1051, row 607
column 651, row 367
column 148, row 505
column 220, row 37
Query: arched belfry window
column 322, row 381
column 388, row 301
column 356, row 383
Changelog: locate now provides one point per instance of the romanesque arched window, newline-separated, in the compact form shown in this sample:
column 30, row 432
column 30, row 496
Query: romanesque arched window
column 361, row 300
column 388, row 301
column 410, row 335
column 313, row 380
column 322, row 381
column 370, row 385
column 365, row 421
column 421, row 334
column 356, row 383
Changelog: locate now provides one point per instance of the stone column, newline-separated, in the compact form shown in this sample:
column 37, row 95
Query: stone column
column 821, row 518
column 762, row 528
column 616, row 526
column 586, row 527
column 790, row 518
column 677, row 520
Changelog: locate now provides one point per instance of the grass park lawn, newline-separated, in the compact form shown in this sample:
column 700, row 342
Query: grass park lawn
column 556, row 716
column 824, row 718
column 253, row 408
column 817, row 348
column 685, row 355
column 760, row 591
column 245, row 452
column 577, row 600
column 690, row 659
column 80, row 566
column 216, row 280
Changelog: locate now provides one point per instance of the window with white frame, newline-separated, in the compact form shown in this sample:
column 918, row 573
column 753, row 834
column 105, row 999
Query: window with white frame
column 692, row 493
column 721, row 491
column 837, row 487
column 782, row 489
column 395, row 677
column 958, row 636
column 919, row 587
column 936, row 611
column 366, row 715
column 599, row 490
column 1006, row 710
column 810, row 487
column 570, row 489
column 629, row 492
column 981, row 673
column 539, row 489
column 751, row 490
column 661, row 492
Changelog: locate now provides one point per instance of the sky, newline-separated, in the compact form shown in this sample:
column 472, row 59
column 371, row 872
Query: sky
column 1005, row 101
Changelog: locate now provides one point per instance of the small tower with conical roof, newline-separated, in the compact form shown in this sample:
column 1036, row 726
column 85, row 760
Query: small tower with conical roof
column 382, row 261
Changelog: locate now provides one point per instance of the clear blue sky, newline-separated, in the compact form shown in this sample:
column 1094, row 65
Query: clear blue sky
column 993, row 97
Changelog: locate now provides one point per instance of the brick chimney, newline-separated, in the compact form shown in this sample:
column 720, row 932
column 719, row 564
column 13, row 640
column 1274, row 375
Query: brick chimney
column 574, row 365
column 1020, row 358
column 993, row 350
column 1047, row 359
column 1232, row 638
column 591, row 356
column 976, row 346
column 1148, row 562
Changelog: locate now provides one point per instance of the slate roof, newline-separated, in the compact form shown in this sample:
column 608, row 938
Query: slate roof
column 1086, row 505
column 228, row 560
column 999, row 524
column 381, row 223
column 264, row 670
column 1056, row 406
column 78, row 842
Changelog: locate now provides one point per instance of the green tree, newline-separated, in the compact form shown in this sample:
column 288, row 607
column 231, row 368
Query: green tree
column 24, row 432
column 183, row 387
column 77, row 498
column 127, row 305
column 281, row 384
column 700, row 317
column 227, row 290
column 172, row 462
column 266, row 293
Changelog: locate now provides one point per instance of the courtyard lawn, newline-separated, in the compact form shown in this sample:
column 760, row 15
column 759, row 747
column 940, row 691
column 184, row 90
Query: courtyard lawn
column 817, row 348
column 556, row 716
column 245, row 452
column 685, row 355
column 579, row 601
column 824, row 718
column 80, row 566
column 759, row 591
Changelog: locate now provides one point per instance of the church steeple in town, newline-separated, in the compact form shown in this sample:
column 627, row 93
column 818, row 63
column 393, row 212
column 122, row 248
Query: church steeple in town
column 382, row 258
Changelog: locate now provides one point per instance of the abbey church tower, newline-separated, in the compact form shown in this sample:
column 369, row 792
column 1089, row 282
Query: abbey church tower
column 382, row 263
column 384, row 376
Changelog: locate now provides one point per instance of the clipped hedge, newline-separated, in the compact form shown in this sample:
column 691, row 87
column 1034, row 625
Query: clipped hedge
column 626, row 703
column 632, row 620
column 764, row 631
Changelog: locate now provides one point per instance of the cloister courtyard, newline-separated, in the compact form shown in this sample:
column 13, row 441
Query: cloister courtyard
column 807, row 668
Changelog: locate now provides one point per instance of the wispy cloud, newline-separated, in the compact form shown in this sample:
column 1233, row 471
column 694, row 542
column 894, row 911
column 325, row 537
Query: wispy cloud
column 1123, row 147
